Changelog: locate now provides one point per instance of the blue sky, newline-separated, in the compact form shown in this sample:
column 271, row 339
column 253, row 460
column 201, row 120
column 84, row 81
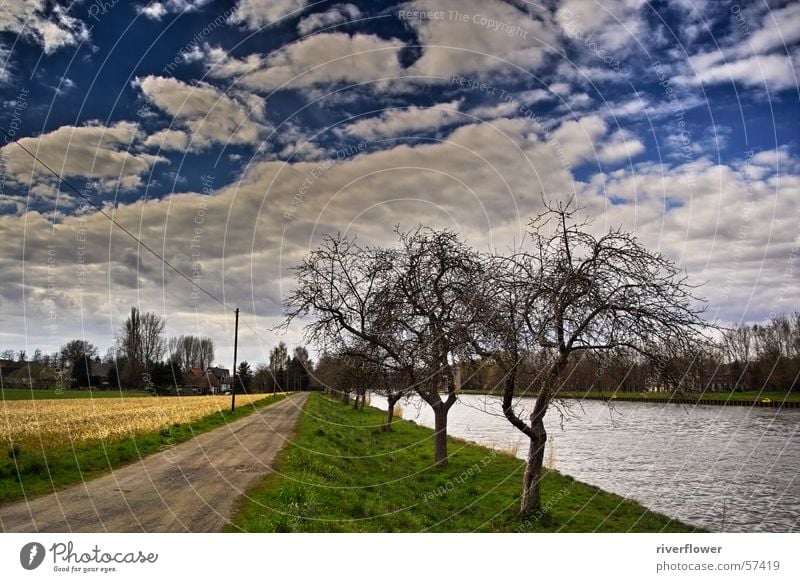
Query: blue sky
column 232, row 135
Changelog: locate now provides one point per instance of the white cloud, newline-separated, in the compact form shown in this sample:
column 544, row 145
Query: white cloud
column 6, row 70
column 255, row 14
column 208, row 115
column 779, row 29
column 777, row 159
column 157, row 10
column 758, row 57
column 107, row 154
column 168, row 139
column 321, row 59
column 487, row 112
column 483, row 36
column 621, row 146
column 728, row 228
column 406, row 120
column 615, row 25
column 154, row 10
column 484, row 180
column 335, row 15
column 773, row 71
column 579, row 139
column 52, row 29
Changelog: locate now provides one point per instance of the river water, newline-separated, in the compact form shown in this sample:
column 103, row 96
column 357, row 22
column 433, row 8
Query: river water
column 735, row 469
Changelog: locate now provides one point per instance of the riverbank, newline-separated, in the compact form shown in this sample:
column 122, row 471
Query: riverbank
column 342, row 473
column 760, row 399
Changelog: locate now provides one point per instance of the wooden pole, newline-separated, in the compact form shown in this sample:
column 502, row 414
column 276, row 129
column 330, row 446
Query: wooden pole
column 235, row 348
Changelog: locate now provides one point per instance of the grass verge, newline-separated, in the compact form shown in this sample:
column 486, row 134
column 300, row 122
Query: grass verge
column 343, row 474
column 29, row 471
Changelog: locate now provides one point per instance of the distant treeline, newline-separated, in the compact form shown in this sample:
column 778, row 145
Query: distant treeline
column 143, row 358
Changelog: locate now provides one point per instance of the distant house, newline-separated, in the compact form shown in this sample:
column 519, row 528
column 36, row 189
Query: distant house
column 210, row 381
column 100, row 375
column 7, row 367
column 223, row 376
column 198, row 381
column 31, row 375
column 721, row 378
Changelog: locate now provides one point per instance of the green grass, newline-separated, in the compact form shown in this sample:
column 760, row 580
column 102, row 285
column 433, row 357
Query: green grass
column 34, row 471
column 28, row 394
column 343, row 474
column 751, row 396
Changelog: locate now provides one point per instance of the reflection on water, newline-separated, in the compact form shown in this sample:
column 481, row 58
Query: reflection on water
column 702, row 465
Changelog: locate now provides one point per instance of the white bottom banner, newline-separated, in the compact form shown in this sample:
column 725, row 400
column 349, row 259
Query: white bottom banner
column 356, row 557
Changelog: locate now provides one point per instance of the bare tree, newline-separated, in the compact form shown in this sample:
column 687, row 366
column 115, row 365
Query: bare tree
column 412, row 304
column 142, row 341
column 331, row 374
column 189, row 351
column 389, row 383
column 573, row 292
column 205, row 352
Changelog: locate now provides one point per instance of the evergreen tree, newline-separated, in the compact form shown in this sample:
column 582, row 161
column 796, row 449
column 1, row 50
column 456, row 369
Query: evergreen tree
column 244, row 377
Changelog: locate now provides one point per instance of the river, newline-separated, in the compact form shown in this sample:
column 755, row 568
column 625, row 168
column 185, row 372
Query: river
column 733, row 469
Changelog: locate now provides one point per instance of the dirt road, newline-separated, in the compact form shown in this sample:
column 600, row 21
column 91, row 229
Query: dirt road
column 192, row 486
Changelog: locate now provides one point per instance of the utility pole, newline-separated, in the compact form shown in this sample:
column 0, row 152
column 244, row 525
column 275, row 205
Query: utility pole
column 235, row 347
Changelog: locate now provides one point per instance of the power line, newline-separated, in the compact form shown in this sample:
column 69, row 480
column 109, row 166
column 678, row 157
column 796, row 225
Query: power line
column 111, row 218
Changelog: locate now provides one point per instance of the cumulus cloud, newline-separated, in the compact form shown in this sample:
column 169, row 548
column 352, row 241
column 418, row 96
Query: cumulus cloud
column 470, row 38
column 255, row 14
column 729, row 228
column 487, row 112
column 157, row 10
column 203, row 113
column 731, row 223
column 168, row 139
column 474, row 37
column 483, row 180
column 405, row 120
column 107, row 154
column 774, row 71
column 615, row 25
column 335, row 15
column 778, row 29
column 321, row 59
column 759, row 57
column 579, row 139
column 621, row 146
column 46, row 23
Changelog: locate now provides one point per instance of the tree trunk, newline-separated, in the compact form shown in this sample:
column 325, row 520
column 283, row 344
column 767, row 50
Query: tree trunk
column 387, row 426
column 346, row 398
column 440, row 435
column 531, row 482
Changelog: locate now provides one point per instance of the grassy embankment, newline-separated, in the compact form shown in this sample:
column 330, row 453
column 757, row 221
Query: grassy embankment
column 343, row 474
column 752, row 396
column 35, row 471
